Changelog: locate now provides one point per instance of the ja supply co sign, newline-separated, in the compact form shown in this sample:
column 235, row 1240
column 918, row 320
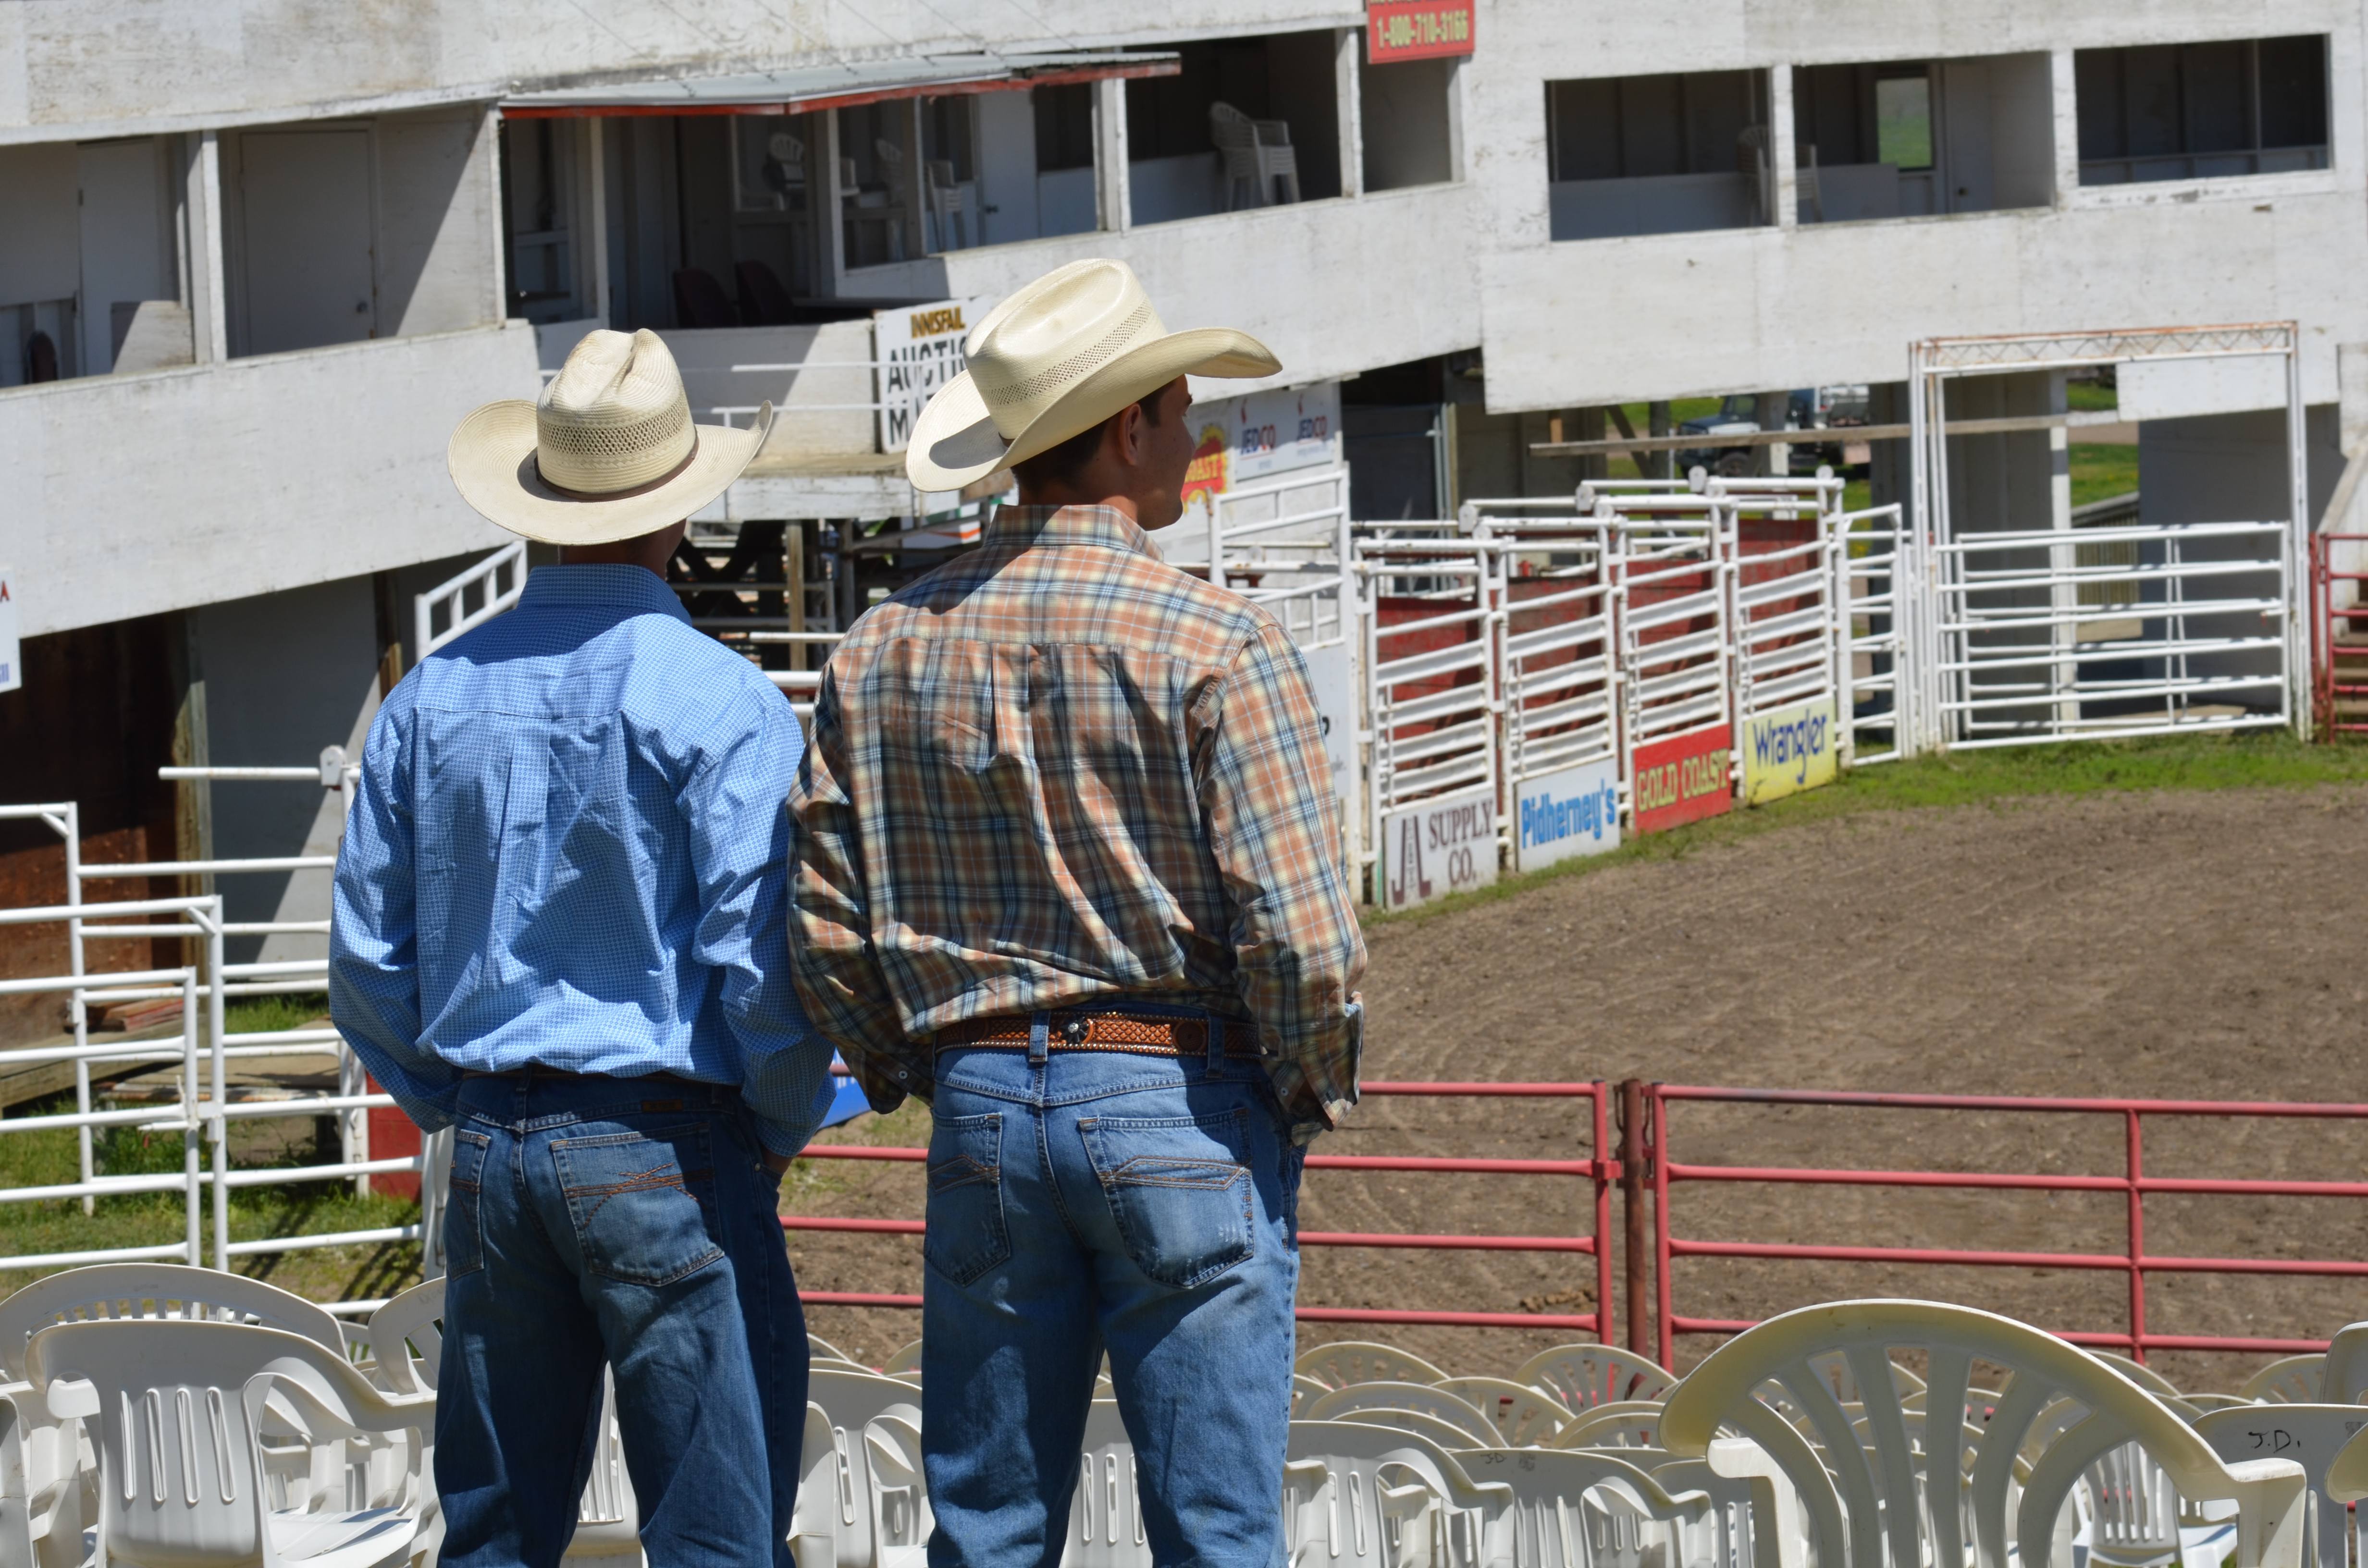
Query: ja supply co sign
column 1789, row 749
column 919, row 350
column 1683, row 779
column 1439, row 847
column 1573, row 811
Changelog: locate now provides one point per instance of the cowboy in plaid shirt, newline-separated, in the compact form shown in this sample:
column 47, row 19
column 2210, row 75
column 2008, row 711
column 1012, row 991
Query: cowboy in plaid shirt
column 1070, row 869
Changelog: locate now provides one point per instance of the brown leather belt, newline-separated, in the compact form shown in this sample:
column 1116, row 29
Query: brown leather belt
column 1140, row 1034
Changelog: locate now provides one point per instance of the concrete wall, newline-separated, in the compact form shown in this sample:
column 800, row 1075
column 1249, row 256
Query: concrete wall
column 69, row 67
column 138, row 494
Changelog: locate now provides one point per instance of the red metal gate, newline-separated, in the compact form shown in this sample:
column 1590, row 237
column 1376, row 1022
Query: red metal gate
column 2335, row 634
column 1668, row 1171
column 1595, row 1168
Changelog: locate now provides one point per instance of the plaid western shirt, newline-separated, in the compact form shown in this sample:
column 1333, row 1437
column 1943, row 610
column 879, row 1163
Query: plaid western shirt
column 1057, row 770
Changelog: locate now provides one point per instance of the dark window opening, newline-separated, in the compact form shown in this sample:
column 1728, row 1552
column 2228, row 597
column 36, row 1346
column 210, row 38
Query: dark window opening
column 1245, row 122
column 2195, row 110
column 1657, row 154
column 1919, row 138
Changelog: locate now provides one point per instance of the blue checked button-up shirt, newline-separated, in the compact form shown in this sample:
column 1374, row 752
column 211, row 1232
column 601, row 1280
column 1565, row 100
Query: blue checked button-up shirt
column 571, row 849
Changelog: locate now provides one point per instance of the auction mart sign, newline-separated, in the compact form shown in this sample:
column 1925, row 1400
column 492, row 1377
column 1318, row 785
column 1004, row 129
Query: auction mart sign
column 1437, row 847
column 915, row 350
column 1786, row 750
column 1574, row 810
column 1683, row 779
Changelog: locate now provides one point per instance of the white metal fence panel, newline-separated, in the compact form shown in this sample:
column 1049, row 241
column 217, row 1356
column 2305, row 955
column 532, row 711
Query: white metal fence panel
column 2053, row 635
column 1676, row 649
column 1870, row 617
column 462, row 603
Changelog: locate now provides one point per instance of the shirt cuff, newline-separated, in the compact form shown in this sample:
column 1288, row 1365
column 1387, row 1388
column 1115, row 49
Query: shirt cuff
column 789, row 1139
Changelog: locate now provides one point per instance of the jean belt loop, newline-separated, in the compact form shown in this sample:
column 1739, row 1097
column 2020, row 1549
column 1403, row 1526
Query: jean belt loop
column 1216, row 1028
column 1040, row 1030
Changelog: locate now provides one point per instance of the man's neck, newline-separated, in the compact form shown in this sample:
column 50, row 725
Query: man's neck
column 1057, row 498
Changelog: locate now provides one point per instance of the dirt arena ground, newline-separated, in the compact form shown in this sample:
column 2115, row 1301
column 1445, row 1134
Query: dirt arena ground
column 2166, row 945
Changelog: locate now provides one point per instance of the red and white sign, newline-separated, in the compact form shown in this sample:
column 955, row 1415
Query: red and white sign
column 1416, row 29
column 1683, row 779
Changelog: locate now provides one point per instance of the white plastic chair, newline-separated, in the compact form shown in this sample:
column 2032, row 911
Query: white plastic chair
column 1341, row 1404
column 1437, row 1429
column 948, row 202
column 1303, row 1388
column 2311, row 1436
column 905, row 1363
column 2344, row 1378
column 824, row 1350
column 814, row 1527
column 1523, row 1416
column 900, row 1521
column 1570, row 1509
column 1257, row 153
column 2289, row 1380
column 406, row 1339
column 1106, row 1518
column 2347, row 1482
column 2138, row 1372
column 851, row 1402
column 1756, row 1518
column 1337, row 1365
column 1626, row 1423
column 608, row 1517
column 1583, row 1376
column 1874, row 1496
column 1371, row 1495
column 178, row 1409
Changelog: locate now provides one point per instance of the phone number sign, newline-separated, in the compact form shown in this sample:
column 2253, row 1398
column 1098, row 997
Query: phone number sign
column 1416, row 29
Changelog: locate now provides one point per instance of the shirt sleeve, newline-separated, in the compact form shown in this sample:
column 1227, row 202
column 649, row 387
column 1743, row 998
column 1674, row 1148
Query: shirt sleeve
column 742, row 844
column 838, row 967
column 1274, row 826
column 373, row 954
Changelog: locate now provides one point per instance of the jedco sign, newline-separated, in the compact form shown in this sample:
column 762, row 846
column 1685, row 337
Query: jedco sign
column 1437, row 847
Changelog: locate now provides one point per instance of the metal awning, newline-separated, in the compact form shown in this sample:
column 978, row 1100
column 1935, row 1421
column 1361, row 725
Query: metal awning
column 813, row 88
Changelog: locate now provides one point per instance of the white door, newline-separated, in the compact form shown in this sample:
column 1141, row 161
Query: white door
column 307, row 276
column 124, row 258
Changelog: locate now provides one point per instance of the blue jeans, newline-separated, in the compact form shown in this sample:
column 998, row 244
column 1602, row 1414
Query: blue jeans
column 630, row 1222
column 1091, row 1201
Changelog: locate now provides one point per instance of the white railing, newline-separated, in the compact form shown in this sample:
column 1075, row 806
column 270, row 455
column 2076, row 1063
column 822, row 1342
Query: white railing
column 462, row 603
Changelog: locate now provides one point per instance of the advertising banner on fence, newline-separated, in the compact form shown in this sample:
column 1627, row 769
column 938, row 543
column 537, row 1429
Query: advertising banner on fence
column 919, row 350
column 1238, row 439
column 1575, row 811
column 12, row 651
column 1684, row 778
column 1439, row 847
column 1789, row 749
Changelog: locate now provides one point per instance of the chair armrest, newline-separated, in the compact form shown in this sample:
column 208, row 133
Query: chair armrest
column 1273, row 132
column 2347, row 1473
column 73, row 1397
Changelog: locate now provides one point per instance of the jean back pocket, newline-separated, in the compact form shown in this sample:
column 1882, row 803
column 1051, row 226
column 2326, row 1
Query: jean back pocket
column 966, row 1235
column 642, row 1203
column 1178, row 1189
column 465, row 1226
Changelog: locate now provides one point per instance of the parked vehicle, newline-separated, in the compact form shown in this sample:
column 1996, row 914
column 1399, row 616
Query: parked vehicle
column 1807, row 408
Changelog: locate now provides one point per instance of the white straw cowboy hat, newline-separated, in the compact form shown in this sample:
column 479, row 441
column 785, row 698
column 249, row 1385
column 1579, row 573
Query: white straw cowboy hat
column 1059, row 356
column 608, row 453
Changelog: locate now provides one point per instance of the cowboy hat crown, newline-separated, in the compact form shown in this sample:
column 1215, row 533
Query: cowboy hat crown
column 1059, row 356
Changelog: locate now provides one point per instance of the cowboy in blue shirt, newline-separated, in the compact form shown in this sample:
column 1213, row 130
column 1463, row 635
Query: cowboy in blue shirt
column 561, row 930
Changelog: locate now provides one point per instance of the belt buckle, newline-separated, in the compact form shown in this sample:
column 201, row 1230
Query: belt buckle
column 1076, row 1031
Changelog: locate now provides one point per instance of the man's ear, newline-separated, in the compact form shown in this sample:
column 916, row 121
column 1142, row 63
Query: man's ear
column 1130, row 434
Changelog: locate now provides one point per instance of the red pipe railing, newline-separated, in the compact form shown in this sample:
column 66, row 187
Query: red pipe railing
column 2134, row 1261
column 2325, row 622
column 1599, row 1170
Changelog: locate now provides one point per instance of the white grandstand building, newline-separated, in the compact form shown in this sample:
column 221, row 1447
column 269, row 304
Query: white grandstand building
column 256, row 260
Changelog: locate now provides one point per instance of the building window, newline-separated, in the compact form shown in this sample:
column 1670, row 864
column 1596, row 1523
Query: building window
column 538, row 178
column 2200, row 110
column 1243, row 123
column 1922, row 138
column 1657, row 154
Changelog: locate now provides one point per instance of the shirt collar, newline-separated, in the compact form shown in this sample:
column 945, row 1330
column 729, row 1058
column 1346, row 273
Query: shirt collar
column 629, row 588
column 1030, row 526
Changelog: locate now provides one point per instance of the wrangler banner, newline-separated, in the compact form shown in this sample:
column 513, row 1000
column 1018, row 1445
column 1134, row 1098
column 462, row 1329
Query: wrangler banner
column 1789, row 749
column 1683, row 779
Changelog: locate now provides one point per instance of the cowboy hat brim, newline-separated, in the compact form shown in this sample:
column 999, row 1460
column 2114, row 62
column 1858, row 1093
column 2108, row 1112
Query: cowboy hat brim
column 492, row 460
column 955, row 442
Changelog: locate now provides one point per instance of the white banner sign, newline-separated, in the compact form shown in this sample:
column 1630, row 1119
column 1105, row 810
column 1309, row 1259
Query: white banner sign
column 1237, row 440
column 1573, row 811
column 919, row 350
column 12, row 651
column 1332, row 681
column 1439, row 847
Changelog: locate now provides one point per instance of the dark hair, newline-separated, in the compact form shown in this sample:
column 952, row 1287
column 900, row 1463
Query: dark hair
column 1062, row 461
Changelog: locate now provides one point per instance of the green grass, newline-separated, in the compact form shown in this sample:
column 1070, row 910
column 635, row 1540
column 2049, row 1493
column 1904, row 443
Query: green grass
column 2251, row 760
column 2090, row 397
column 259, row 1015
column 2100, row 470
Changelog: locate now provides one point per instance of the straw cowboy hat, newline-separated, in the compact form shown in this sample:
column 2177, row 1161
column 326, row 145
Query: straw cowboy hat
column 1059, row 356
column 608, row 453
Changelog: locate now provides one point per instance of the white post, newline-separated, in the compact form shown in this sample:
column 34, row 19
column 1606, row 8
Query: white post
column 497, row 265
column 595, row 141
column 190, row 1102
column 2296, row 590
column 217, row 1018
column 70, row 829
column 1783, row 181
column 1348, row 105
column 209, row 308
column 1113, row 210
column 833, row 226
